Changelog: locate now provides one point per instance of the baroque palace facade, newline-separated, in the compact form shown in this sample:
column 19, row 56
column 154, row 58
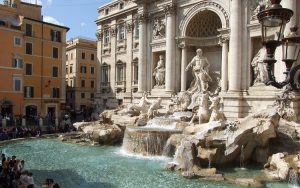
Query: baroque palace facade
column 32, row 62
column 146, row 46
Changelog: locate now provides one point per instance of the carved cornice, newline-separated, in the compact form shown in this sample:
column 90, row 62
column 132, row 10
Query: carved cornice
column 170, row 9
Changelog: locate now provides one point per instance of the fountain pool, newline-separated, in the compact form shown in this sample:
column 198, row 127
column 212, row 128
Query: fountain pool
column 80, row 166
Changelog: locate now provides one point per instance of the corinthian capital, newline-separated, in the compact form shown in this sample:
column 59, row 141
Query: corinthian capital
column 99, row 35
column 170, row 9
column 142, row 17
column 223, row 39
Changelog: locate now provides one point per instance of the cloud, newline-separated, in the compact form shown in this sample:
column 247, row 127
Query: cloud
column 82, row 24
column 50, row 19
column 49, row 2
column 39, row 2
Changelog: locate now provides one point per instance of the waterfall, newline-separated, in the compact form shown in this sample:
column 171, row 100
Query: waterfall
column 293, row 179
column 242, row 157
column 146, row 141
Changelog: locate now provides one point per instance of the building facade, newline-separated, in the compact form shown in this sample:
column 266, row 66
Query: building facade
column 134, row 37
column 33, row 57
column 81, row 74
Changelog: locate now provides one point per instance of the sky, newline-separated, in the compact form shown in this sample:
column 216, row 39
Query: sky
column 78, row 15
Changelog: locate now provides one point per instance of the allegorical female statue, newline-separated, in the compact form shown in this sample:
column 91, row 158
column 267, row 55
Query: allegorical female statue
column 159, row 72
column 259, row 68
column 200, row 67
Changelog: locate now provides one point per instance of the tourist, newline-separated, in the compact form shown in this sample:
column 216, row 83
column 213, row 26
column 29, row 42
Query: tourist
column 22, row 167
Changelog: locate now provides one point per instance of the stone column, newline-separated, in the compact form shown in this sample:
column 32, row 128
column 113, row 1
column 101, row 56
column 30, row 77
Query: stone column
column 235, row 45
column 290, row 4
column 170, row 47
column 183, row 66
column 224, row 77
column 142, row 79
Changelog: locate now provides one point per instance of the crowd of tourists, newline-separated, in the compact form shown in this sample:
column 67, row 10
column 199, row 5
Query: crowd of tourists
column 14, row 175
column 18, row 132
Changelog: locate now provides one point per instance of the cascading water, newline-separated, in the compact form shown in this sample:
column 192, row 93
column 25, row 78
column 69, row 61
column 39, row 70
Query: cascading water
column 242, row 158
column 146, row 141
column 209, row 160
column 293, row 179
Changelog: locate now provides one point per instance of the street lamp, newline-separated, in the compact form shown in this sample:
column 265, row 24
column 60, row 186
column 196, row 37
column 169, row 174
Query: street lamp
column 273, row 21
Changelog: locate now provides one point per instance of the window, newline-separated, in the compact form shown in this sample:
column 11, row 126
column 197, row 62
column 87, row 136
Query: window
column 92, row 84
column 82, row 95
column 83, row 69
column 135, row 68
column 105, row 74
column 71, row 83
column 55, row 36
column 54, row 71
column 28, row 69
column 82, row 83
column 17, row 83
column 28, row 30
column 71, row 69
column 67, row 70
column 55, row 52
column 121, row 6
column 106, row 37
column 92, row 95
column 17, row 63
column 136, row 29
column 71, row 56
column 106, row 11
column 92, row 70
column 67, row 57
column 2, row 23
column 121, row 32
column 120, row 72
column 28, row 92
column 92, row 57
column 28, row 48
column 17, row 41
column 82, row 55
column 55, row 92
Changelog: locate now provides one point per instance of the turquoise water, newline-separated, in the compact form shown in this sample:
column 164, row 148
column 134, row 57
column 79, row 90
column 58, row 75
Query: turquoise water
column 76, row 166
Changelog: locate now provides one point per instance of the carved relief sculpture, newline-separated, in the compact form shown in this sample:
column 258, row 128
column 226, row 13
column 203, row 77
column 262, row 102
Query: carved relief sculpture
column 159, row 73
column 260, row 5
column 201, row 75
column 159, row 29
column 259, row 68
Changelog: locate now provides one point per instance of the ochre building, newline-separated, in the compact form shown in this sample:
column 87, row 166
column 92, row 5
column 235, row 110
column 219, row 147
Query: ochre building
column 32, row 62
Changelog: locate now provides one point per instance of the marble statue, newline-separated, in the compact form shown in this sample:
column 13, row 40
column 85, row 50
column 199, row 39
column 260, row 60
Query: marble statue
column 140, row 108
column 201, row 75
column 159, row 29
column 260, row 69
column 203, row 111
column 159, row 73
column 260, row 6
column 216, row 114
column 155, row 105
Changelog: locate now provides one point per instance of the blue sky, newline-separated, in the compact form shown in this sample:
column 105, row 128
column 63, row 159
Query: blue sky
column 78, row 15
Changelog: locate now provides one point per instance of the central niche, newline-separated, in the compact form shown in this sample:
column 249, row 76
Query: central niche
column 204, row 24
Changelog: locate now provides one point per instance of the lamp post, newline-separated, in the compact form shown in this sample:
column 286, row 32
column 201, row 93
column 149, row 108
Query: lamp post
column 273, row 21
